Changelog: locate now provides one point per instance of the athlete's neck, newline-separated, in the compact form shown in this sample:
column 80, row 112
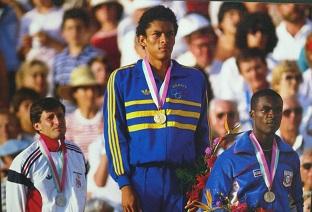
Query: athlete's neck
column 160, row 66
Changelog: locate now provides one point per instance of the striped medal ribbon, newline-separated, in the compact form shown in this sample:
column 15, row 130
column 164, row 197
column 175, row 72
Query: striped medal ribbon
column 268, row 174
column 159, row 98
column 60, row 199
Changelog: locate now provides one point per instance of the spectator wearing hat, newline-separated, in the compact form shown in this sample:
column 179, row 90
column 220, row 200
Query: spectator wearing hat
column 86, row 122
column 33, row 74
column 8, row 151
column 201, row 40
column 107, row 14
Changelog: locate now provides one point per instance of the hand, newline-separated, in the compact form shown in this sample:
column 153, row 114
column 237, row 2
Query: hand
column 129, row 200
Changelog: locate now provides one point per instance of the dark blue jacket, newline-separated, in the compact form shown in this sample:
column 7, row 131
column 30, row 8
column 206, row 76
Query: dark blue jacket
column 134, row 139
column 238, row 168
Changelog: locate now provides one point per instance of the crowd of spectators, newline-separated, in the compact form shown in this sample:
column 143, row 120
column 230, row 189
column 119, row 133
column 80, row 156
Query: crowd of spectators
column 68, row 49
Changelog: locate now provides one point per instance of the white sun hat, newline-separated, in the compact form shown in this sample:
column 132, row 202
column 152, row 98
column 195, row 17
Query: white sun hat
column 191, row 23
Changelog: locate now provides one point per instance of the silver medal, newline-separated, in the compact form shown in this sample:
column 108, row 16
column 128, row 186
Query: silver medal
column 269, row 196
column 60, row 200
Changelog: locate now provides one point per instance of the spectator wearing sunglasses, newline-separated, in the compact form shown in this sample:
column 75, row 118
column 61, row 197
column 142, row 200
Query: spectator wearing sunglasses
column 306, row 177
column 290, row 125
column 286, row 78
column 219, row 111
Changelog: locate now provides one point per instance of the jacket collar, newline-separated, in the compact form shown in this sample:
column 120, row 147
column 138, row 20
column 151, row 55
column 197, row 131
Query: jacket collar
column 243, row 144
column 52, row 144
column 177, row 69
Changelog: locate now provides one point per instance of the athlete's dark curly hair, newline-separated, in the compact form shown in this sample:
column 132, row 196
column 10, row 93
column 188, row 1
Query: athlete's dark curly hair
column 158, row 13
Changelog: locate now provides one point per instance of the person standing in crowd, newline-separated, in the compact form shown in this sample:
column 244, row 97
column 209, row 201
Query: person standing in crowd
column 220, row 111
column 290, row 125
column 286, row 78
column 107, row 13
column 75, row 26
column 306, row 176
column 86, row 122
column 155, row 119
column 33, row 74
column 292, row 31
column 201, row 41
column 20, row 106
column 259, row 169
column 50, row 175
column 8, row 151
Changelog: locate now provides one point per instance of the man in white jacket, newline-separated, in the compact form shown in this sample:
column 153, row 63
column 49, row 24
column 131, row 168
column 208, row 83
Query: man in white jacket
column 50, row 175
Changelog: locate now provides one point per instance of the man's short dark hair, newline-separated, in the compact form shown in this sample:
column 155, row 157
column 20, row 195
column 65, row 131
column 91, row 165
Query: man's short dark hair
column 158, row 13
column 248, row 54
column 261, row 93
column 44, row 104
column 227, row 6
column 252, row 23
column 78, row 14
column 22, row 95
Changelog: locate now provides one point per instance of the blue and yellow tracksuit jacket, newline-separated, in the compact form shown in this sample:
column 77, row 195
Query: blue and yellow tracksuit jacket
column 237, row 170
column 133, row 138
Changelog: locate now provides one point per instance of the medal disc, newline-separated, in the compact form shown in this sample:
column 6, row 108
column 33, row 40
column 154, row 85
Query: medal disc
column 160, row 118
column 269, row 196
column 60, row 200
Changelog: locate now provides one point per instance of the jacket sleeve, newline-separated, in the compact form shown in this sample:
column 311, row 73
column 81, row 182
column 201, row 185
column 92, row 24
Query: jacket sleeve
column 297, row 193
column 116, row 132
column 16, row 190
column 220, row 180
column 202, row 131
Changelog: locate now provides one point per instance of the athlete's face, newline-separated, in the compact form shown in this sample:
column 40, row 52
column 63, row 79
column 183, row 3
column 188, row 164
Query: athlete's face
column 267, row 115
column 52, row 124
column 159, row 40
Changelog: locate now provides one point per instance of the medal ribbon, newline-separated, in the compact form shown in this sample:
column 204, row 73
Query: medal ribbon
column 267, row 174
column 45, row 151
column 158, row 98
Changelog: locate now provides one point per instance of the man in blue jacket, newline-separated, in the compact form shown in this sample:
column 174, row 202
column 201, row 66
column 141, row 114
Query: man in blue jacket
column 155, row 119
column 259, row 169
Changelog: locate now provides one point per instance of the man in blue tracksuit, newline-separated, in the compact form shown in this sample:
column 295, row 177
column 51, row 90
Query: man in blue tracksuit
column 240, row 172
column 154, row 119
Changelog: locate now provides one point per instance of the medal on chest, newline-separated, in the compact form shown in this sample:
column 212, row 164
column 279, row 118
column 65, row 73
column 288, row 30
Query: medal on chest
column 268, row 174
column 59, row 179
column 159, row 98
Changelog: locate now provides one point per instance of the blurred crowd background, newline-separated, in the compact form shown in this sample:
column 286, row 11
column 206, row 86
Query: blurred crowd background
column 68, row 49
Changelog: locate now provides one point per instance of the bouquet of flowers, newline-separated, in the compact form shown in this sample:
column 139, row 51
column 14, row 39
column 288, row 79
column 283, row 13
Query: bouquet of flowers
column 193, row 179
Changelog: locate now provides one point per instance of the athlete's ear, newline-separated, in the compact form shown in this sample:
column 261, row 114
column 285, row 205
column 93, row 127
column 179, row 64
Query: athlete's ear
column 251, row 114
column 142, row 40
column 37, row 126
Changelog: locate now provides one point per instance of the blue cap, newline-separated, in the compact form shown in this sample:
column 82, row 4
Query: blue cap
column 13, row 146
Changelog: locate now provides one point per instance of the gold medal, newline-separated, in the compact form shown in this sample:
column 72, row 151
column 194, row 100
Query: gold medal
column 269, row 196
column 60, row 200
column 160, row 118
